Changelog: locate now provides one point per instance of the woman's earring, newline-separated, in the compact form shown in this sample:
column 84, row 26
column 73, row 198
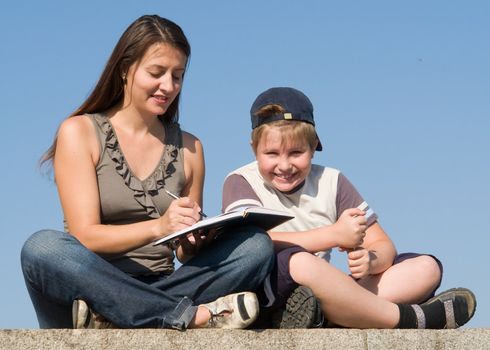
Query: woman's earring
column 124, row 79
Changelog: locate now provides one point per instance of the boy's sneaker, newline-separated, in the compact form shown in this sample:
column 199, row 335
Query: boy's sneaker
column 237, row 310
column 84, row 318
column 302, row 310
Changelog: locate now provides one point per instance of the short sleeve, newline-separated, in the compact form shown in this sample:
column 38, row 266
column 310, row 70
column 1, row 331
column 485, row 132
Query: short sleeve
column 349, row 197
column 237, row 192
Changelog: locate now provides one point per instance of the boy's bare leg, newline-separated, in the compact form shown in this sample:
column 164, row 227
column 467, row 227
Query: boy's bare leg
column 343, row 301
column 421, row 273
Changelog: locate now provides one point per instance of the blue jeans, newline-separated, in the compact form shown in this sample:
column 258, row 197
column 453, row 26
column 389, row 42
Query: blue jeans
column 58, row 269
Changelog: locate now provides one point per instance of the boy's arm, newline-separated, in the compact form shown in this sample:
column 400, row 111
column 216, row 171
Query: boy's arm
column 380, row 249
column 377, row 252
column 347, row 232
column 237, row 192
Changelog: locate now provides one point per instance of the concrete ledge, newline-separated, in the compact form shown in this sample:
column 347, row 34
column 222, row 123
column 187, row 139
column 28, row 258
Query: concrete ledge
column 476, row 338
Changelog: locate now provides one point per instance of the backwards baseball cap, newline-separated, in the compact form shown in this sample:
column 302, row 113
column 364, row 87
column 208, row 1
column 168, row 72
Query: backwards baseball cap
column 297, row 106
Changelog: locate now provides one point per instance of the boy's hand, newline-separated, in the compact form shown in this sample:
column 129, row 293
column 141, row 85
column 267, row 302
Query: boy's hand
column 359, row 261
column 351, row 228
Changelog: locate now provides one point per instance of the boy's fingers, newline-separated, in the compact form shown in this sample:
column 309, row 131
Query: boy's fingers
column 352, row 254
column 356, row 253
column 356, row 212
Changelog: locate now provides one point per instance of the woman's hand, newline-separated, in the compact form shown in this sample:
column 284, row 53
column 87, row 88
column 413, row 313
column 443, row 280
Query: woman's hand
column 191, row 244
column 359, row 261
column 181, row 213
column 350, row 228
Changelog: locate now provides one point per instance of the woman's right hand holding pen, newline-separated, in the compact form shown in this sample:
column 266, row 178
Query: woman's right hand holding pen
column 184, row 212
column 181, row 213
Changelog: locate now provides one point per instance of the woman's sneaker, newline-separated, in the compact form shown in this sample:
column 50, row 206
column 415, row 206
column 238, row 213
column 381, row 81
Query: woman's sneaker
column 84, row 318
column 302, row 310
column 233, row 311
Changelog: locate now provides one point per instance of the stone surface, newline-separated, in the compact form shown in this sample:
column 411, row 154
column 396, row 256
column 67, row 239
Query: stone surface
column 476, row 338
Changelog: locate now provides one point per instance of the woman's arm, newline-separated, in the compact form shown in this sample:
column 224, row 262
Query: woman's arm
column 194, row 169
column 77, row 154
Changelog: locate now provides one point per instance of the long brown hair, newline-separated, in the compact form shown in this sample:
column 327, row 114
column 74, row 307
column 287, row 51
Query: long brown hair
column 131, row 47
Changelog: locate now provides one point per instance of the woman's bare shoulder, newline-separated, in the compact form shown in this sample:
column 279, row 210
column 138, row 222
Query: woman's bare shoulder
column 78, row 125
column 78, row 132
column 191, row 142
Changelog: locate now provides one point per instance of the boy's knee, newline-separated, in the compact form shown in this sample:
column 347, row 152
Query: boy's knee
column 303, row 267
column 302, row 259
column 430, row 268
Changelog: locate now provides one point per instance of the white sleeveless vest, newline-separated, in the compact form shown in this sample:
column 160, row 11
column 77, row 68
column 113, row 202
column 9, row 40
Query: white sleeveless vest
column 313, row 205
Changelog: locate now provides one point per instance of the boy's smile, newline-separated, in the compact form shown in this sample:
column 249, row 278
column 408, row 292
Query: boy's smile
column 284, row 164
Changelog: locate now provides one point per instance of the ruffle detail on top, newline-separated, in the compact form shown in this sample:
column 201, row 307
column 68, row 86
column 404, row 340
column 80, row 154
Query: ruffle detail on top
column 143, row 190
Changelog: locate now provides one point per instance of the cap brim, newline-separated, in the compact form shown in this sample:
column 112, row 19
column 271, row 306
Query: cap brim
column 319, row 146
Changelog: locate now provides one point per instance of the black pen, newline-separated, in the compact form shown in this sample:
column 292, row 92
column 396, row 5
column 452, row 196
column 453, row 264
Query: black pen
column 174, row 196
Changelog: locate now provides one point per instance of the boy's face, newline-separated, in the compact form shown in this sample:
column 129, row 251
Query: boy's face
column 283, row 165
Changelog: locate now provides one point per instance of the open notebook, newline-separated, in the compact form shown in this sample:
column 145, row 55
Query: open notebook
column 249, row 216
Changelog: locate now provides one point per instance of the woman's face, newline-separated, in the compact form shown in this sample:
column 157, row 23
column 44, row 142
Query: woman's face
column 155, row 81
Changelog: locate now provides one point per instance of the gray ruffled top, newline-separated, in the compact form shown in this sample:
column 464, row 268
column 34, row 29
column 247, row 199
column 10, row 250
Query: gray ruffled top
column 125, row 199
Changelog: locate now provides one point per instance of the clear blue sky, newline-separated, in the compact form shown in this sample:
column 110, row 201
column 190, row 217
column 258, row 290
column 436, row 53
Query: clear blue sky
column 400, row 89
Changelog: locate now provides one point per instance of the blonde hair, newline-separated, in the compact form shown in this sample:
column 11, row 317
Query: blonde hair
column 291, row 130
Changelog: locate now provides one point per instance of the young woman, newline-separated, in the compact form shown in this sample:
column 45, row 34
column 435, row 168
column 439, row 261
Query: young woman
column 114, row 160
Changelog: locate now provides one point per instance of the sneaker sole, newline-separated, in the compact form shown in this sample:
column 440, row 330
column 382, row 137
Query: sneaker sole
column 301, row 311
column 79, row 313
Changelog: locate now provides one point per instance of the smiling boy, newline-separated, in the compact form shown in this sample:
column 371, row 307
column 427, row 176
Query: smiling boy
column 328, row 214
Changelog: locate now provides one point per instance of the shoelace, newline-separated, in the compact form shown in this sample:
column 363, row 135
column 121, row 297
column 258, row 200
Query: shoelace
column 215, row 318
column 98, row 321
